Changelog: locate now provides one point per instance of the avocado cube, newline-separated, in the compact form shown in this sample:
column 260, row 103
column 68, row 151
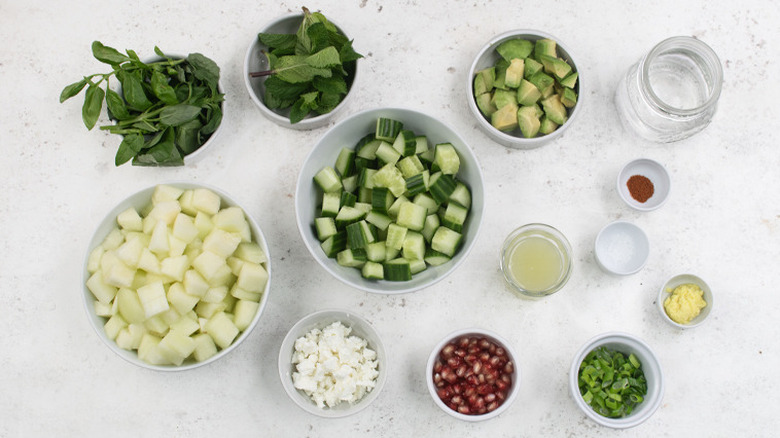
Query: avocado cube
column 505, row 119
column 528, row 121
column 539, row 110
column 568, row 98
column 544, row 46
column 554, row 109
column 514, row 73
column 502, row 97
column 527, row 93
column 485, row 104
column 532, row 67
column 500, row 71
column 483, row 81
column 543, row 82
column 569, row 81
column 516, row 48
column 554, row 66
column 547, row 126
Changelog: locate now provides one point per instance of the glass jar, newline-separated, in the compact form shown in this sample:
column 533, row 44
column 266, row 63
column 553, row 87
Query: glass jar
column 672, row 92
column 536, row 260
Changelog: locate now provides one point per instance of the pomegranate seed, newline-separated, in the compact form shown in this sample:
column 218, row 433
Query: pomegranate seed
column 457, row 400
column 490, row 379
column 484, row 344
column 477, row 367
column 444, row 393
column 500, row 351
column 480, row 403
column 447, row 351
column 460, row 352
column 437, row 366
column 437, row 378
column 482, row 378
column 453, row 406
column 470, row 391
column 470, row 358
column 490, row 397
column 492, row 406
column 457, row 388
column 453, row 362
column 464, row 342
column 509, row 368
column 484, row 357
column 461, row 372
column 448, row 375
column 482, row 410
column 492, row 348
column 484, row 389
column 501, row 385
column 506, row 378
column 494, row 361
column 501, row 395
column 463, row 409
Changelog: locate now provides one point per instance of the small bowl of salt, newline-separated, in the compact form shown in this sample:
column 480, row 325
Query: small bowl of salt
column 622, row 248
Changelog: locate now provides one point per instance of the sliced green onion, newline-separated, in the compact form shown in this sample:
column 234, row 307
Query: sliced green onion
column 611, row 382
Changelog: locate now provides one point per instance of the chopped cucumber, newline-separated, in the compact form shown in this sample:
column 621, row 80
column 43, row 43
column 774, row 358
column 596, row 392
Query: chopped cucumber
column 328, row 180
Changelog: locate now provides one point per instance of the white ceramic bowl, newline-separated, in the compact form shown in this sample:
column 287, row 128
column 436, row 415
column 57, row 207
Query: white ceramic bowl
column 652, row 170
column 678, row 280
column 626, row 344
column 487, row 57
column 255, row 60
column 346, row 134
column 622, row 248
column 491, row 336
column 321, row 319
column 139, row 200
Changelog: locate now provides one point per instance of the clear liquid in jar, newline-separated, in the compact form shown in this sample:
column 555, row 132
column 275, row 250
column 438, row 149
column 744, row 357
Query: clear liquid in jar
column 677, row 79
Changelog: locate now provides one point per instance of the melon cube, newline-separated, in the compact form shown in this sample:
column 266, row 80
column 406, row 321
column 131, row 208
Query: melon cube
column 221, row 242
column 130, row 251
column 176, row 346
column 164, row 192
column 221, row 328
column 175, row 267
column 195, row 284
column 252, row 277
column 153, row 298
column 184, row 228
column 223, row 277
column 113, row 326
column 230, row 303
column 204, row 347
column 129, row 338
column 251, row 252
column 113, row 240
column 149, row 224
column 215, row 294
column 169, row 316
column 206, row 201
column 130, row 220
column 119, row 275
column 103, row 292
column 185, row 200
column 203, row 223
column 185, row 325
column 103, row 309
column 242, row 294
column 159, row 243
column 176, row 246
column 230, row 219
column 235, row 265
column 244, row 312
column 179, row 299
column 208, row 264
column 149, row 262
column 148, row 350
column 207, row 310
column 156, row 326
column 165, row 211
column 129, row 306
column 93, row 261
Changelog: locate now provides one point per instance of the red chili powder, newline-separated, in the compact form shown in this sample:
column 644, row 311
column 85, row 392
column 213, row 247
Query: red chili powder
column 640, row 187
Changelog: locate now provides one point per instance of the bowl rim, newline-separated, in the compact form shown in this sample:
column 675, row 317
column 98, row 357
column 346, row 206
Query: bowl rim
column 656, row 389
column 666, row 184
column 557, row 235
column 685, row 278
column 636, row 231
column 88, row 299
column 300, row 328
column 309, row 122
column 304, row 183
column 516, row 375
column 500, row 136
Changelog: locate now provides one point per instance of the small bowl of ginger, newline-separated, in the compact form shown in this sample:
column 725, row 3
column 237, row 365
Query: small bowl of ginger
column 685, row 301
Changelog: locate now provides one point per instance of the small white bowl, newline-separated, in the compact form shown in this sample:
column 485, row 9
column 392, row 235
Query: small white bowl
column 622, row 248
column 487, row 57
column 652, row 170
column 256, row 61
column 491, row 336
column 626, row 344
column 321, row 319
column 678, row 280
column 139, row 200
column 346, row 134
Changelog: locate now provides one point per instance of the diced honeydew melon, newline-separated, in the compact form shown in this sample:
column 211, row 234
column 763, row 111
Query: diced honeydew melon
column 130, row 220
column 243, row 313
column 235, row 264
column 206, row 201
column 103, row 309
column 113, row 240
column 159, row 243
column 176, row 346
column 113, row 326
column 242, row 294
column 102, row 291
column 148, row 224
column 221, row 328
column 251, row 252
column 195, row 284
column 221, row 242
column 165, row 211
column 129, row 306
column 175, row 267
column 129, row 338
column 179, row 299
column 215, row 294
column 93, row 261
column 230, row 219
column 207, row 310
column 176, row 247
column 156, row 326
column 204, row 347
column 165, row 193
column 223, row 277
column 185, row 325
column 153, row 299
column 169, row 316
column 208, row 264
column 203, row 223
column 148, row 351
column 184, row 228
column 252, row 278
column 118, row 274
column 230, row 303
column 149, row 262
column 185, row 200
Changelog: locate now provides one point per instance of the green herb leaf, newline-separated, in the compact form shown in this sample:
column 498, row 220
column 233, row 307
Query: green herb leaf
column 93, row 103
column 162, row 89
column 164, row 153
column 204, row 69
column 295, row 69
column 328, row 101
column 72, row 90
column 319, row 37
column 213, row 120
column 285, row 90
column 187, row 136
column 133, row 91
column 278, row 41
column 325, row 58
column 334, row 84
column 116, row 106
column 178, row 114
column 298, row 111
column 107, row 55
column 348, row 54
column 130, row 146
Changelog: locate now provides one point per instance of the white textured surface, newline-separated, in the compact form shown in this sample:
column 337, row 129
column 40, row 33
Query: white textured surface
column 722, row 221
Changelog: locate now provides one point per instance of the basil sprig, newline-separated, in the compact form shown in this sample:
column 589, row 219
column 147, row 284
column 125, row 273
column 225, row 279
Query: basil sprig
column 166, row 110
column 309, row 71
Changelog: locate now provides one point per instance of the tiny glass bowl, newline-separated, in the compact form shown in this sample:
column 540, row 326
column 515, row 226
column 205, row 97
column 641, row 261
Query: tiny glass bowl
column 319, row 320
column 679, row 280
column 622, row 248
column 546, row 246
column 495, row 339
column 644, row 169
column 626, row 344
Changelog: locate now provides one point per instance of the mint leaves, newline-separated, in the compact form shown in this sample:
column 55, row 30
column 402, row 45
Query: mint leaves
column 166, row 110
column 309, row 71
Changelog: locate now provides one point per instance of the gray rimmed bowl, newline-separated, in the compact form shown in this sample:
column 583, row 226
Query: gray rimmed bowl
column 682, row 279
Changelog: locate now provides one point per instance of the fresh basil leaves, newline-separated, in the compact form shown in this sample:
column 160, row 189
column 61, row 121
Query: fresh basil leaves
column 309, row 71
column 166, row 109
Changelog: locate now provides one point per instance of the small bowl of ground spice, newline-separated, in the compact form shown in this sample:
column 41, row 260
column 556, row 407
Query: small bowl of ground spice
column 644, row 184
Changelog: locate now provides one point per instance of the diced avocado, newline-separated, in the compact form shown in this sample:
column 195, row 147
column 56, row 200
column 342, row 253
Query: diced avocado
column 539, row 111
column 517, row 48
column 554, row 109
column 505, row 119
column 500, row 67
column 556, row 67
column 543, row 82
column 544, row 46
column 514, row 73
column 532, row 67
column 503, row 97
column 547, row 126
column 568, row 98
column 483, row 81
column 485, row 104
column 528, row 121
column 569, row 81
column 527, row 93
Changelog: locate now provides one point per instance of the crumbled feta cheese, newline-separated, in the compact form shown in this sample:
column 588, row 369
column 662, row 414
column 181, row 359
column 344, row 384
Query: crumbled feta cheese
column 333, row 366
